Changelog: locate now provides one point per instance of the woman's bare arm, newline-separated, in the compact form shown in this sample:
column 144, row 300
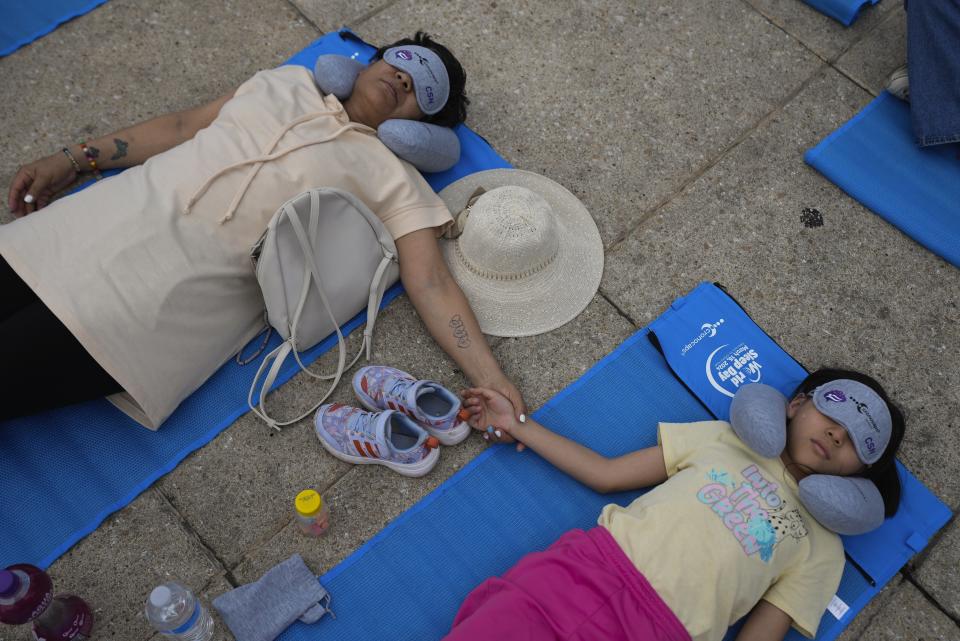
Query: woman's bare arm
column 39, row 181
column 447, row 313
column 134, row 145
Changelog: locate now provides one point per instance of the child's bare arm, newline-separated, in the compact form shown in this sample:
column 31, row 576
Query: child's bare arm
column 766, row 622
column 631, row 471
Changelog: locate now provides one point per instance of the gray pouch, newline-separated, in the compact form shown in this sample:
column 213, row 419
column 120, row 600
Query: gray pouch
column 261, row 610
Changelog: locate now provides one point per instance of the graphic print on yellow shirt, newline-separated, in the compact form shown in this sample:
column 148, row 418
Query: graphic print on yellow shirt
column 725, row 530
column 752, row 509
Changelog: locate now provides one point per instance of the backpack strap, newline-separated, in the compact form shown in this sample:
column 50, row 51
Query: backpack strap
column 276, row 358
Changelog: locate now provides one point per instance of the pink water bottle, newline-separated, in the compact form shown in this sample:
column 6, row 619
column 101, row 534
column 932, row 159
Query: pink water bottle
column 26, row 594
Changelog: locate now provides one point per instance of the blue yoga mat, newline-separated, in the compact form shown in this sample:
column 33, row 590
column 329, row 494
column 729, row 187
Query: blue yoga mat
column 843, row 11
column 63, row 472
column 23, row 22
column 409, row 580
column 874, row 158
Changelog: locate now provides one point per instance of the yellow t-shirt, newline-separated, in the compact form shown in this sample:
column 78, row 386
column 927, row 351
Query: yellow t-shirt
column 725, row 531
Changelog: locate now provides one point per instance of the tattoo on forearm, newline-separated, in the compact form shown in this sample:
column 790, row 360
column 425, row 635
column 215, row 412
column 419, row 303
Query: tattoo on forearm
column 93, row 151
column 460, row 331
column 121, row 149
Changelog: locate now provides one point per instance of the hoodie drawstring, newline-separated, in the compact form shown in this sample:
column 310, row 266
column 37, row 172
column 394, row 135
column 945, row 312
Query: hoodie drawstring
column 267, row 157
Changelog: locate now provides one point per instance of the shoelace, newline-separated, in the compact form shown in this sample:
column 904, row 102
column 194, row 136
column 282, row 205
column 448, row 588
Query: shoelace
column 398, row 388
column 363, row 423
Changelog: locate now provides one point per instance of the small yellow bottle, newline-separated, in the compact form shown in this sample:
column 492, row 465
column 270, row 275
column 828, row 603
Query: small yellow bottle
column 313, row 518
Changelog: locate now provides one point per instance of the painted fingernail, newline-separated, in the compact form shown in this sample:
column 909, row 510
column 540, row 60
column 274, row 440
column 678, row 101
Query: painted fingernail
column 28, row 198
column 523, row 418
column 486, row 437
column 489, row 429
column 498, row 433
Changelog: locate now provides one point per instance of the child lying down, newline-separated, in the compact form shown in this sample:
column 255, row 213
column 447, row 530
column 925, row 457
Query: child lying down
column 743, row 521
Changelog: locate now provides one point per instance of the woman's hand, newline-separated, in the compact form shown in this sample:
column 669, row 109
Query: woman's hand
column 38, row 183
column 509, row 390
column 489, row 408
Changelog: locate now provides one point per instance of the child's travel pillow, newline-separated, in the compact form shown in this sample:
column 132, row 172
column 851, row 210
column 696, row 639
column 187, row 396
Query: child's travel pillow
column 427, row 147
column 843, row 504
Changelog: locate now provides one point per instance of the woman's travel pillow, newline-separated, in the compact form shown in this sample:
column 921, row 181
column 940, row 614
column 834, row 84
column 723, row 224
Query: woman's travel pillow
column 427, row 147
column 844, row 504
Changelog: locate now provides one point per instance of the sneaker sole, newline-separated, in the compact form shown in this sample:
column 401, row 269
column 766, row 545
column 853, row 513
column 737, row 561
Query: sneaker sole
column 413, row 470
column 457, row 434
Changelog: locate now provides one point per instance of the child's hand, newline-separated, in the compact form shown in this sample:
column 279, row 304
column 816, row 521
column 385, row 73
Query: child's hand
column 488, row 408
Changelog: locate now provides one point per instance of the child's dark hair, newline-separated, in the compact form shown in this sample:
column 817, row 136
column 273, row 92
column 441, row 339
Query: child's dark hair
column 883, row 473
column 455, row 111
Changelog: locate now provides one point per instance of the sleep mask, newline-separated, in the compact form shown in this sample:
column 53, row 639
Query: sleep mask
column 861, row 411
column 430, row 81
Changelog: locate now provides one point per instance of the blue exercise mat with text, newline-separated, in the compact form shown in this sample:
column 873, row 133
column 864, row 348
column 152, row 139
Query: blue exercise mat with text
column 875, row 159
column 409, row 580
column 63, row 472
column 23, row 22
column 843, row 11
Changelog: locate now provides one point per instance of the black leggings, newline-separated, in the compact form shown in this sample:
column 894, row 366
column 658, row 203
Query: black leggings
column 43, row 365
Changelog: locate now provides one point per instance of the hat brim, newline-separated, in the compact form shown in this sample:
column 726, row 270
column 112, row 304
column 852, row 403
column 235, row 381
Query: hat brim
column 553, row 296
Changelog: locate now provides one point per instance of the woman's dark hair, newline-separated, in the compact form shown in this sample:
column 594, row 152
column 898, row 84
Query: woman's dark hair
column 883, row 473
column 455, row 111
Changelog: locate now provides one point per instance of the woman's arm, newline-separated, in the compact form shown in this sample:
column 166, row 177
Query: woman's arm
column 642, row 468
column 42, row 179
column 447, row 314
column 766, row 622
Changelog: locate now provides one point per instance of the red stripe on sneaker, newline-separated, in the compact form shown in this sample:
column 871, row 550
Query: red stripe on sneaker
column 357, row 445
column 363, row 384
column 370, row 449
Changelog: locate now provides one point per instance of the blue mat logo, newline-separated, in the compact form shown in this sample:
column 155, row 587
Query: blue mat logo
column 707, row 330
column 727, row 372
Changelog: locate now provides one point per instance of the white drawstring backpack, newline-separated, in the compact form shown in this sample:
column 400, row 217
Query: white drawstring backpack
column 323, row 256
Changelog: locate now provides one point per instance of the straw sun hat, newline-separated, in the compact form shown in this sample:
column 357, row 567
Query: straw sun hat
column 524, row 250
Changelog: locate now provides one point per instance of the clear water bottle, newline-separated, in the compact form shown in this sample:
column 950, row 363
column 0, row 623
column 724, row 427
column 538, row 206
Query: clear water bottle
column 175, row 612
column 26, row 594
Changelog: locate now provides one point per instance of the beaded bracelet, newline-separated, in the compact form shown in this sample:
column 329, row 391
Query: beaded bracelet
column 91, row 159
column 73, row 161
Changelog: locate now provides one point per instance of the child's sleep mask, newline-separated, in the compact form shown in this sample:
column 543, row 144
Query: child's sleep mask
column 861, row 411
column 844, row 504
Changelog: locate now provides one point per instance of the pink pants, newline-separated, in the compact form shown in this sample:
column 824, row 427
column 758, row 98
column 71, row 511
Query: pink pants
column 583, row 587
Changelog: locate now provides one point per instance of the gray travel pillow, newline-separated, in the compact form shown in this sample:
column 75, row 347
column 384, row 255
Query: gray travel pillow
column 843, row 504
column 427, row 147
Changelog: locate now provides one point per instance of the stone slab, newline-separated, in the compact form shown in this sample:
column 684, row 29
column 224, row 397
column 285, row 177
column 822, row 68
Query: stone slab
column 861, row 622
column 115, row 567
column 822, row 34
column 130, row 60
column 328, row 16
column 871, row 60
column 853, row 291
column 908, row 615
column 938, row 571
column 619, row 101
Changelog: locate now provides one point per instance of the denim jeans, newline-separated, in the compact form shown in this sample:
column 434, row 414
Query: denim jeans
column 933, row 61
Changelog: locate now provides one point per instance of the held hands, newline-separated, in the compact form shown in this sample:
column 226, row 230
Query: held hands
column 38, row 182
column 491, row 408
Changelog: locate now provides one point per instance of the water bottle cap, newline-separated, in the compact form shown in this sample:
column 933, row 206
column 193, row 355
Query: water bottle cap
column 9, row 582
column 308, row 503
column 160, row 596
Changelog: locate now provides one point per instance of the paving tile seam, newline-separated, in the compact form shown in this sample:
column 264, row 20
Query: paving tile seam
column 711, row 163
column 195, row 533
column 306, row 18
column 908, row 576
column 618, row 308
column 915, row 564
column 370, row 14
column 803, row 44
